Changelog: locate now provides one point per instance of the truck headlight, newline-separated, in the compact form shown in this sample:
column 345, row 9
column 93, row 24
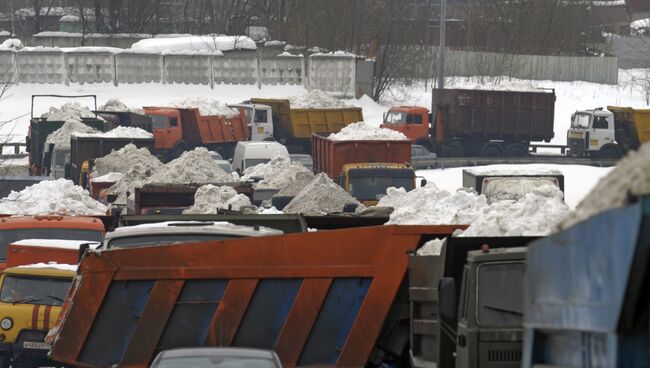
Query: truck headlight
column 6, row 323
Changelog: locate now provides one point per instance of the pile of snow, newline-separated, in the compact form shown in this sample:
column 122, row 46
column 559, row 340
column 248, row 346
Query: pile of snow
column 316, row 99
column 116, row 105
column 119, row 132
column 537, row 213
column 208, row 43
column 630, row 177
column 277, row 173
column 364, row 131
column 320, row 196
column 192, row 167
column 505, row 170
column 59, row 197
column 514, row 188
column 300, row 181
column 206, row 106
column 210, row 198
column 61, row 137
column 12, row 44
column 135, row 177
column 111, row 177
column 69, row 111
column 431, row 248
column 122, row 160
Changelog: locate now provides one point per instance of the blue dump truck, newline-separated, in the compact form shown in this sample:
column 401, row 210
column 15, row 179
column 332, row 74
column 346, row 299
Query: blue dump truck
column 587, row 293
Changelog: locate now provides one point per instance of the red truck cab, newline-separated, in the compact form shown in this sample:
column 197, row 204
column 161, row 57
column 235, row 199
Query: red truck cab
column 412, row 121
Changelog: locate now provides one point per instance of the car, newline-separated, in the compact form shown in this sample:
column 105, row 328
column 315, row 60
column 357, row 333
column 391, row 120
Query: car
column 421, row 158
column 248, row 154
column 224, row 165
column 216, row 357
column 215, row 155
column 303, row 159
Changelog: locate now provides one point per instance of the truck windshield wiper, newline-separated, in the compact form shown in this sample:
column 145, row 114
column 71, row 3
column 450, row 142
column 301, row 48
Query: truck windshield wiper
column 510, row 311
column 26, row 300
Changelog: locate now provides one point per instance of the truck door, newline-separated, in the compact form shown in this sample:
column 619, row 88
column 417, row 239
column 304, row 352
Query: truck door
column 166, row 130
column 602, row 132
column 261, row 124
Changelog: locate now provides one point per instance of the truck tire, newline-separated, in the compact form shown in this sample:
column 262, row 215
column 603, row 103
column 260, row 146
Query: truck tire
column 609, row 152
column 492, row 150
column 178, row 150
column 516, row 150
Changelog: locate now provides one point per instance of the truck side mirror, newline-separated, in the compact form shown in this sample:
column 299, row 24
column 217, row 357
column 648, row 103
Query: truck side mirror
column 423, row 182
column 447, row 300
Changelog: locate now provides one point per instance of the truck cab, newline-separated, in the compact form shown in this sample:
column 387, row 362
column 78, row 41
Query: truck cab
column 412, row 121
column 368, row 182
column 260, row 120
column 30, row 302
column 593, row 133
column 166, row 127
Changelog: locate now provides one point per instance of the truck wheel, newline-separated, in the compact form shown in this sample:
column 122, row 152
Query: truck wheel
column 517, row 150
column 178, row 151
column 609, row 153
column 492, row 150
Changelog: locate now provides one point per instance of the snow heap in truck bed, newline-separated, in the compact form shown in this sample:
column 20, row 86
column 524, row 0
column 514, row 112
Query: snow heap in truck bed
column 320, row 196
column 68, row 111
column 277, row 173
column 122, row 160
column 61, row 137
column 317, row 99
column 206, row 106
column 209, row 198
column 119, row 132
column 192, row 167
column 630, row 178
column 537, row 213
column 363, row 131
column 59, row 197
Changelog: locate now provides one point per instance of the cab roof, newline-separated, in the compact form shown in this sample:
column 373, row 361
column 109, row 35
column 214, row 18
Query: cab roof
column 43, row 269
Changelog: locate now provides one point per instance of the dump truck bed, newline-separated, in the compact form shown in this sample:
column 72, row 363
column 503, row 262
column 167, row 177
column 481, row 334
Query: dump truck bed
column 209, row 129
column 329, row 155
column 317, row 298
column 640, row 118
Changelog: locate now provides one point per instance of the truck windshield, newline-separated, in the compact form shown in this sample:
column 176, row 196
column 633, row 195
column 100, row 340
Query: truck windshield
column 500, row 294
column 34, row 290
column 60, row 157
column 581, row 121
column 164, row 239
column 394, row 117
column 367, row 185
column 8, row 236
column 159, row 122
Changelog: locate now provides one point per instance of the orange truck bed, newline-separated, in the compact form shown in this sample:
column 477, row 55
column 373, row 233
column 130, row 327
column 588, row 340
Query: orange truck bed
column 318, row 298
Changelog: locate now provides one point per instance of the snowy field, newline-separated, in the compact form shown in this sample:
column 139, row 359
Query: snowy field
column 570, row 96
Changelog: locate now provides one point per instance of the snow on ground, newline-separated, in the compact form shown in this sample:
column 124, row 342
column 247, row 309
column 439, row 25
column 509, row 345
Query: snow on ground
column 578, row 179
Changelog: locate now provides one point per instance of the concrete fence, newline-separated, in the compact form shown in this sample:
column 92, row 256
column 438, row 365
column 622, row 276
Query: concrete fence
column 100, row 65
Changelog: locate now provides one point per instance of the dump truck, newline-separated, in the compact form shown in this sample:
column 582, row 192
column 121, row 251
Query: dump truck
column 326, row 298
column 177, row 130
column 294, row 127
column 364, row 168
column 586, row 301
column 30, row 303
column 466, row 303
column 473, row 123
column 500, row 184
column 85, row 149
column 17, row 228
column 609, row 133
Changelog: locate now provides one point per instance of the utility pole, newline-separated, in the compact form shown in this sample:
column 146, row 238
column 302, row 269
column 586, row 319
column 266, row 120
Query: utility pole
column 441, row 51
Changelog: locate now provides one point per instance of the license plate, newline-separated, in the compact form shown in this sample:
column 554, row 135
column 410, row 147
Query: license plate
column 36, row 345
column 260, row 130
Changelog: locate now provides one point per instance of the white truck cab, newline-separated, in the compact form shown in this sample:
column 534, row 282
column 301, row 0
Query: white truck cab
column 260, row 120
column 592, row 133
column 248, row 154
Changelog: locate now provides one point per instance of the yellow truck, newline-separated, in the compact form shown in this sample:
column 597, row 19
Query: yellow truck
column 294, row 127
column 608, row 133
column 30, row 302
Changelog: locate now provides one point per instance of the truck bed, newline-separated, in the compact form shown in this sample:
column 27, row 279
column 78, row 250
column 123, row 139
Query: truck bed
column 201, row 130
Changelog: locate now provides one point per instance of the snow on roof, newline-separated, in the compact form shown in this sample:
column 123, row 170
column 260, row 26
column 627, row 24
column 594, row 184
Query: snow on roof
column 41, row 49
column 70, row 18
column 335, row 54
column 56, row 243
column 508, row 170
column 57, row 34
column 200, row 43
column 274, row 43
column 640, row 23
column 53, row 265
column 111, row 50
column 5, row 33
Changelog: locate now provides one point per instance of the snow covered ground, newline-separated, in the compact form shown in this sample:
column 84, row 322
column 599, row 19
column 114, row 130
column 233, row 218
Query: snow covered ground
column 578, row 179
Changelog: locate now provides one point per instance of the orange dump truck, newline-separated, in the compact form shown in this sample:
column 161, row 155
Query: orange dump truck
column 177, row 130
column 326, row 298
column 13, row 229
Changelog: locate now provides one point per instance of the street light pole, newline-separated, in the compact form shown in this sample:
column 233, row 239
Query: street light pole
column 441, row 51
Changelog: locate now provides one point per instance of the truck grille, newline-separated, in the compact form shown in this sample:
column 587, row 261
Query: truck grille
column 500, row 354
column 576, row 144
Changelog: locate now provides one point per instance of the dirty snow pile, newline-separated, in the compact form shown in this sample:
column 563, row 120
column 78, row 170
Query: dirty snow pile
column 11, row 43
column 68, row 111
column 206, row 106
column 119, row 132
column 300, row 181
column 192, row 167
column 431, row 248
column 316, row 99
column 513, row 188
column 364, row 131
column 59, row 197
column 630, row 177
column 210, row 198
column 278, row 173
column 61, row 137
column 135, row 177
column 122, row 160
column 320, row 196
column 537, row 213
